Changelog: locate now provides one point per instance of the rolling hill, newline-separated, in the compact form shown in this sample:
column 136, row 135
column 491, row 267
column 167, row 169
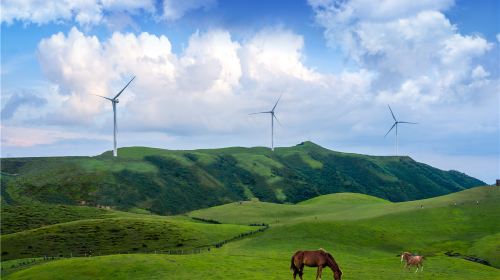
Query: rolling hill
column 365, row 234
column 82, row 230
column 171, row 182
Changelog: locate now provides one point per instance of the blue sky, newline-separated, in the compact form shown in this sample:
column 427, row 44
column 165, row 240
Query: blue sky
column 203, row 65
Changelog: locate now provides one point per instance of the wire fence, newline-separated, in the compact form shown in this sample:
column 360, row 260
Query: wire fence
column 198, row 250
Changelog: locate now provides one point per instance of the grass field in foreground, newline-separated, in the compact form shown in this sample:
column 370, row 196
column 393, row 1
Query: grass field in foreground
column 364, row 234
column 223, row 265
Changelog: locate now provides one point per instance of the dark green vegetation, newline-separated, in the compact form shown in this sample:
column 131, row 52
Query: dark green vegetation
column 80, row 231
column 365, row 234
column 172, row 182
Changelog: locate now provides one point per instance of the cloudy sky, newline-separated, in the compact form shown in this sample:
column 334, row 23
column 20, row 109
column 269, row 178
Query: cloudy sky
column 203, row 65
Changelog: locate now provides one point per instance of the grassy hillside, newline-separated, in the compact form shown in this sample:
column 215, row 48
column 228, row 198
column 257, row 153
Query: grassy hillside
column 115, row 235
column 170, row 182
column 365, row 235
column 53, row 230
column 17, row 218
column 354, row 221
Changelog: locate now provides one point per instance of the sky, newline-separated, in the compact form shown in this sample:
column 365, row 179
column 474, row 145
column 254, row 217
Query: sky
column 202, row 66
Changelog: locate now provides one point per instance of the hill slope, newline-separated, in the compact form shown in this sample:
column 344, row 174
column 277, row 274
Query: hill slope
column 170, row 182
column 364, row 241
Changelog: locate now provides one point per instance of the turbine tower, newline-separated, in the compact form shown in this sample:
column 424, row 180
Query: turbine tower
column 395, row 125
column 114, row 101
column 273, row 116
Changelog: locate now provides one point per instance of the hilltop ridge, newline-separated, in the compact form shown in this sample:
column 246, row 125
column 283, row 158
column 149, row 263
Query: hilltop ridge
column 177, row 181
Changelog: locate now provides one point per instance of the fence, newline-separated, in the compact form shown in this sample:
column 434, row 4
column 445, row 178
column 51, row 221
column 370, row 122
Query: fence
column 198, row 250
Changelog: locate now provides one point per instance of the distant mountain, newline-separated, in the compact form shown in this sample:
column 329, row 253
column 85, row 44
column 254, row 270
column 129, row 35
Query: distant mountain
column 171, row 182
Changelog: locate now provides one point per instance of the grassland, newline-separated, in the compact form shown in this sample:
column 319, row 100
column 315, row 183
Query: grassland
column 79, row 231
column 365, row 234
column 172, row 182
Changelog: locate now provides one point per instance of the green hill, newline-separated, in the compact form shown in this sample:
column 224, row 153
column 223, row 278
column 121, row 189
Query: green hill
column 171, row 182
column 115, row 235
column 431, row 226
column 365, row 235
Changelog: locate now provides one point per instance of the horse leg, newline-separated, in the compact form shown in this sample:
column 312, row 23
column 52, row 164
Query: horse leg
column 317, row 273
column 294, row 274
column 417, row 268
column 320, row 272
column 301, row 271
column 421, row 267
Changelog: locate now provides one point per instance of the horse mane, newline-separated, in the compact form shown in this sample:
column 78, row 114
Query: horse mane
column 331, row 263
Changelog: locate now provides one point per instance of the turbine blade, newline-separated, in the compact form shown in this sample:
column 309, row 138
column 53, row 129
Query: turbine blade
column 260, row 113
column 409, row 122
column 103, row 97
column 277, row 119
column 123, row 88
column 392, row 113
column 391, row 128
column 276, row 103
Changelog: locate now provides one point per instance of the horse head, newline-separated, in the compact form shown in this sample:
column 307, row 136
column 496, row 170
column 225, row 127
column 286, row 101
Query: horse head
column 405, row 256
column 337, row 275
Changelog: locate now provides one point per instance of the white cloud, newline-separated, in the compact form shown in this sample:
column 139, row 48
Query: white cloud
column 173, row 9
column 215, row 54
column 197, row 90
column 479, row 73
column 84, row 12
column 274, row 53
column 417, row 54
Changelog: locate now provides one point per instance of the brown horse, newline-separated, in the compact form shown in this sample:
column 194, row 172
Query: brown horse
column 319, row 258
column 412, row 260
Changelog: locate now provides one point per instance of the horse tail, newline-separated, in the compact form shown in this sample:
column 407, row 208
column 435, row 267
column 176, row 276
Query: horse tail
column 292, row 264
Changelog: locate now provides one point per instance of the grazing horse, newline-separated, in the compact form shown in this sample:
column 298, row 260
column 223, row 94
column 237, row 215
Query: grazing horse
column 412, row 260
column 319, row 258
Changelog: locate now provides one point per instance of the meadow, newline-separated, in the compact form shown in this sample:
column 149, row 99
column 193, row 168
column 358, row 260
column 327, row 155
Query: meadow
column 365, row 235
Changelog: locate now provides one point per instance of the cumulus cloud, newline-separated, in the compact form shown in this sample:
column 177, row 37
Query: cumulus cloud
column 415, row 51
column 200, row 89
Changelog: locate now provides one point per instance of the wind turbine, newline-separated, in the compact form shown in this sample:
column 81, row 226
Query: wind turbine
column 114, row 101
column 396, row 122
column 273, row 116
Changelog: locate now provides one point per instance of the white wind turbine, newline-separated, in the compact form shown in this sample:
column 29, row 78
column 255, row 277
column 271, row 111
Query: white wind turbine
column 273, row 116
column 396, row 122
column 114, row 101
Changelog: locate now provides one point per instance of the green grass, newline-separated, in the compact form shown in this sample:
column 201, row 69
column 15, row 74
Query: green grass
column 369, row 222
column 171, row 182
column 365, row 235
column 221, row 265
column 115, row 235
column 23, row 217
column 341, row 206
